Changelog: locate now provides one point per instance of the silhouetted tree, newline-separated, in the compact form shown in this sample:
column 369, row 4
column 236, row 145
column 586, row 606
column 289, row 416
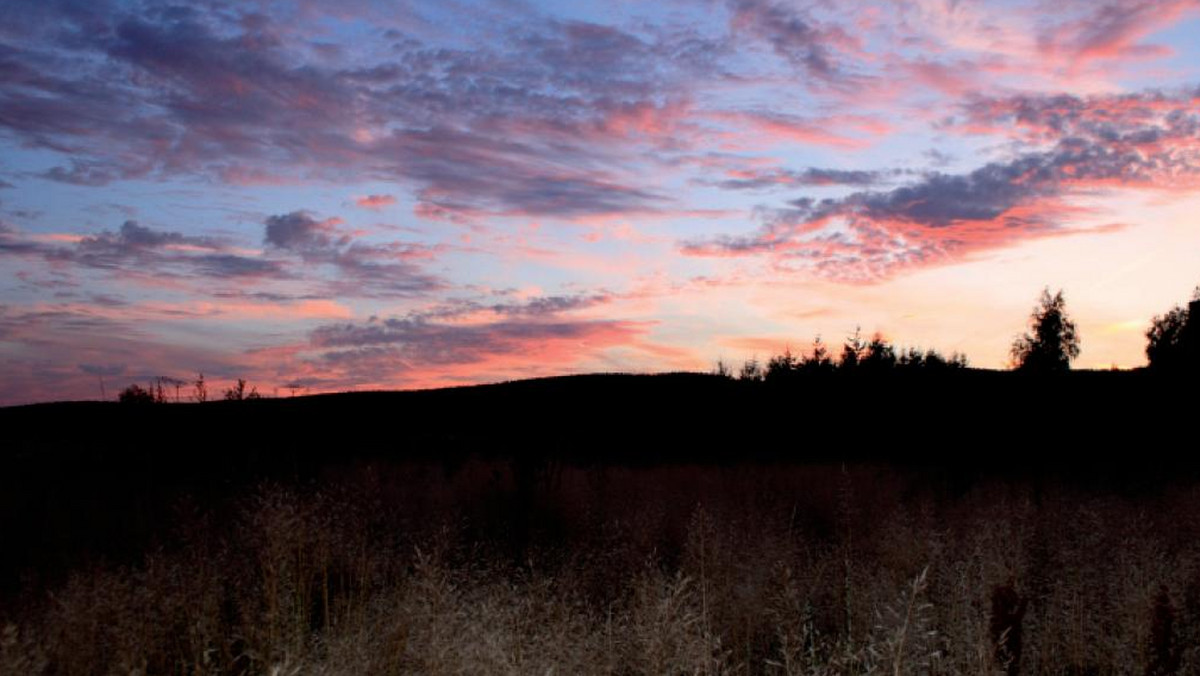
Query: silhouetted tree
column 1164, row 338
column 879, row 356
column 1173, row 339
column 781, row 367
column 1053, row 340
column 817, row 360
column 722, row 369
column 200, row 389
column 751, row 371
column 135, row 394
column 172, row 382
column 911, row 359
column 852, row 351
column 238, row 392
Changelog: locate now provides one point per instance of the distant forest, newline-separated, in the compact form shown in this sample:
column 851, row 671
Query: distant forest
column 1049, row 345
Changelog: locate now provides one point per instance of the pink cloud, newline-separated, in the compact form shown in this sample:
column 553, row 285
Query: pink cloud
column 182, row 311
column 375, row 201
column 769, row 129
column 1111, row 31
column 435, row 354
column 954, row 79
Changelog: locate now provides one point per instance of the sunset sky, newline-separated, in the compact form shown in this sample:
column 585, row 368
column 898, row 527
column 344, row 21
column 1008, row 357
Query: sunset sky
column 371, row 194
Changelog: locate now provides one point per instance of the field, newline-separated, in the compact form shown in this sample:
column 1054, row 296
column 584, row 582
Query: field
column 665, row 525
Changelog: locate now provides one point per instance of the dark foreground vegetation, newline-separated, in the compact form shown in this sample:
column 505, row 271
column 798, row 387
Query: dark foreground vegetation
column 944, row 521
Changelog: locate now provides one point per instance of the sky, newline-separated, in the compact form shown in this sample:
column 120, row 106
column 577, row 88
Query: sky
column 359, row 195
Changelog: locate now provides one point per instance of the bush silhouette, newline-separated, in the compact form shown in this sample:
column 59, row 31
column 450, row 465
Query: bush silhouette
column 751, row 371
column 1053, row 340
column 723, row 370
column 135, row 394
column 238, row 392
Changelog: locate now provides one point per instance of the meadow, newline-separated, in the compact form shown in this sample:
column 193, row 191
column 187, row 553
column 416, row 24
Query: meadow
column 473, row 547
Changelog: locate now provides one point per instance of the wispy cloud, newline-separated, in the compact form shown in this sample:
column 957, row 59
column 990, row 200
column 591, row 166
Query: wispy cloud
column 537, row 336
column 1150, row 141
column 763, row 179
column 796, row 37
column 1109, row 30
column 139, row 250
column 387, row 269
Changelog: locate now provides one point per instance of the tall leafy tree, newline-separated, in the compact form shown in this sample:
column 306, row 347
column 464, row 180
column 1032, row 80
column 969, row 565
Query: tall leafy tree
column 1052, row 341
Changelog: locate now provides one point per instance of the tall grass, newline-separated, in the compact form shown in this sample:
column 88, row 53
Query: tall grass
column 668, row 570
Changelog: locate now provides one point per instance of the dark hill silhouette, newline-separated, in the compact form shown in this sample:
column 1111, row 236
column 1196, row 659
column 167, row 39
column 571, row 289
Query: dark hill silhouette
column 947, row 418
column 85, row 479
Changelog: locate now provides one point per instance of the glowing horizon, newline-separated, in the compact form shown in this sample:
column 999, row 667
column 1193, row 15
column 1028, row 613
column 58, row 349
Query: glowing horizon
column 360, row 196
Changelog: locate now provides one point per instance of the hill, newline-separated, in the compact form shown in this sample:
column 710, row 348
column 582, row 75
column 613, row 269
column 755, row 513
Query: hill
column 686, row 417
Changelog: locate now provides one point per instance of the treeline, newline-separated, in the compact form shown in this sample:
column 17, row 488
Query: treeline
column 874, row 356
column 1049, row 345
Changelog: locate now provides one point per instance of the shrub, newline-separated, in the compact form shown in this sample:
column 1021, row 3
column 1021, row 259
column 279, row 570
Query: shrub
column 238, row 392
column 135, row 394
